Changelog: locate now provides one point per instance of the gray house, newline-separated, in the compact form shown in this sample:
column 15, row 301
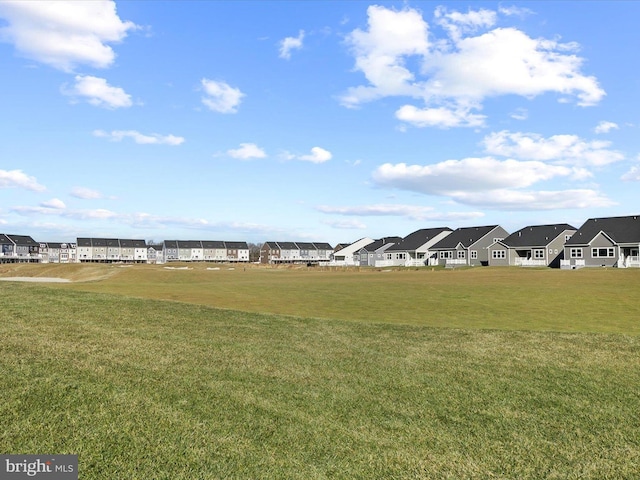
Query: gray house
column 415, row 249
column 374, row 254
column 25, row 248
column 604, row 242
column 468, row 246
column 532, row 246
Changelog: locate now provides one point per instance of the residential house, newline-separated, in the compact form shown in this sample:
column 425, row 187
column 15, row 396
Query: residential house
column 190, row 250
column 155, row 253
column 414, row 249
column 56, row 252
column 348, row 255
column 468, row 245
column 170, row 251
column 372, row 255
column 604, row 242
column 532, row 246
column 214, row 251
column 237, row 251
column 26, row 248
column 7, row 247
column 324, row 251
column 84, row 249
column 270, row 252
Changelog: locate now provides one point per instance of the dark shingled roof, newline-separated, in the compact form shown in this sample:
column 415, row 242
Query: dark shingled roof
column 133, row 243
column 171, row 244
column 620, row 229
column 418, row 238
column 466, row 236
column 83, row 242
column 381, row 242
column 189, row 243
column 536, row 235
column 323, row 246
column 288, row 246
column 212, row 244
column 22, row 240
column 237, row 245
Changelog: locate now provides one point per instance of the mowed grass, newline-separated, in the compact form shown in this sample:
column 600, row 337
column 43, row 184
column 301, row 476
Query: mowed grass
column 587, row 300
column 147, row 389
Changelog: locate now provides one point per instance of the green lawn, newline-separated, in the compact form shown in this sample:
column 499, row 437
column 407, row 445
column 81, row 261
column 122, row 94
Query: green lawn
column 587, row 300
column 148, row 389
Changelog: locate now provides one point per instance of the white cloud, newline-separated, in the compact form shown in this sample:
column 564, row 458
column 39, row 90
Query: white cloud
column 317, row 155
column 605, row 127
column 439, row 117
column 98, row 92
column 534, row 200
column 458, row 72
column 17, row 178
column 520, row 114
column 291, row 43
column 468, row 175
column 633, row 175
column 345, row 224
column 64, row 34
column 220, row 96
column 154, row 138
column 560, row 149
column 413, row 212
column 247, row 151
column 381, row 50
column 54, row 203
column 85, row 193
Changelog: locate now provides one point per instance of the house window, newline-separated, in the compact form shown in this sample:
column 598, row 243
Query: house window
column 498, row 254
column 538, row 254
column 474, row 254
column 446, row 255
column 388, row 256
column 575, row 253
column 567, row 237
column 607, row 252
column 497, row 239
column 460, row 253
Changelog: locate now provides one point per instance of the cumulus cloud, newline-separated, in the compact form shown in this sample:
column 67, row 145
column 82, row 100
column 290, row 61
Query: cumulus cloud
column 561, row 149
column 220, row 96
column 19, row 179
column 633, row 175
column 64, row 34
column 317, row 155
column 413, row 212
column 456, row 73
column 605, row 127
column 98, row 92
column 54, row 203
column 247, row 151
column 151, row 139
column 470, row 174
column 85, row 193
column 291, row 43
column 439, row 117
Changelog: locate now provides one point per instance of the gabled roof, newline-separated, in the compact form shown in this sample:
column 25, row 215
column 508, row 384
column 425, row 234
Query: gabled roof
column 133, row 243
column 83, row 242
column 189, row 243
column 381, row 242
column 306, row 245
column 22, row 240
column 323, row 246
column 170, row 244
column 212, row 244
column 98, row 242
column 237, row 245
column 271, row 245
column 5, row 240
column 536, row 235
column 620, row 229
column 465, row 236
column 288, row 246
column 112, row 242
column 156, row 247
column 418, row 238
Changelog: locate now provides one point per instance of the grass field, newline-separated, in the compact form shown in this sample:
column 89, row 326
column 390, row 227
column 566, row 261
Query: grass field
column 349, row 387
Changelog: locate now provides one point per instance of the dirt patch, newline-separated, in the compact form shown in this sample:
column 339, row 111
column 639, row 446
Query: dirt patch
column 35, row 279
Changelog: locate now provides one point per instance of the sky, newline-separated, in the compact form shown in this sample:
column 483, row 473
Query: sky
column 321, row 121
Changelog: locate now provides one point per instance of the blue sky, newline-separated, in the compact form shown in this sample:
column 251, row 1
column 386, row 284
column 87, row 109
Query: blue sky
column 314, row 121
